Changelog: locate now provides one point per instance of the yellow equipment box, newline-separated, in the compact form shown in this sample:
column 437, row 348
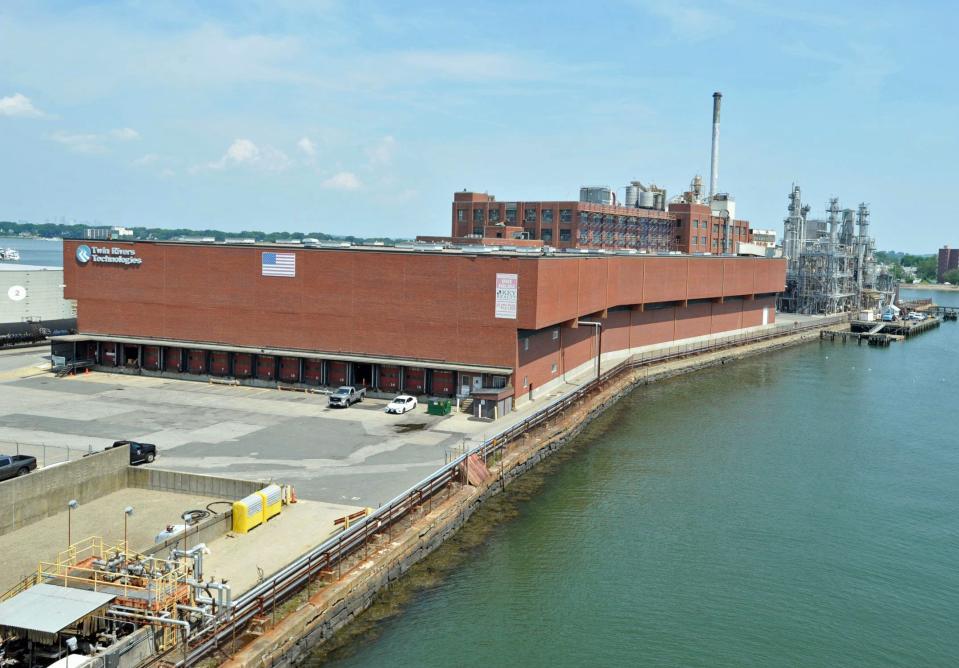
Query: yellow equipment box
column 272, row 496
column 248, row 513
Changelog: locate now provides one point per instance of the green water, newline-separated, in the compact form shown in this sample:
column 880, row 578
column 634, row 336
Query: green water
column 796, row 509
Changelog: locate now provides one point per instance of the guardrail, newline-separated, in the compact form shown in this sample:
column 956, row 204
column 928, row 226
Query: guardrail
column 331, row 554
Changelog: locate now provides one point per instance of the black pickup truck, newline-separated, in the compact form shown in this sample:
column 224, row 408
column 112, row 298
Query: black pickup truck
column 140, row 453
column 13, row 466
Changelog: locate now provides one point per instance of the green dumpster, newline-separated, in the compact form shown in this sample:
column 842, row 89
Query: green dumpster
column 439, row 407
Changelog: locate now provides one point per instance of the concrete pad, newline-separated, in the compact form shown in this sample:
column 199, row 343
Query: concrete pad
column 23, row 549
column 271, row 546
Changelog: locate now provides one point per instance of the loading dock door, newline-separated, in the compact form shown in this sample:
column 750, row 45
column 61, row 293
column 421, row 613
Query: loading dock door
column 220, row 363
column 337, row 373
column 242, row 365
column 313, row 371
column 443, row 384
column 389, row 378
column 362, row 374
column 265, row 367
column 196, row 362
column 173, row 358
column 151, row 358
column 413, row 381
column 289, row 369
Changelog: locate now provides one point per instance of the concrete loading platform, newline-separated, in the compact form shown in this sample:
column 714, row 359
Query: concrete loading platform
column 41, row 540
column 37, row 525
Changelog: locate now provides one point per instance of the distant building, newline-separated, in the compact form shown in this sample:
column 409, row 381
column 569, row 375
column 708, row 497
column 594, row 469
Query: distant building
column 765, row 238
column 107, row 233
column 948, row 260
column 644, row 223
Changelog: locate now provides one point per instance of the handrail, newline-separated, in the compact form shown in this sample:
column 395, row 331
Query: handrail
column 330, row 553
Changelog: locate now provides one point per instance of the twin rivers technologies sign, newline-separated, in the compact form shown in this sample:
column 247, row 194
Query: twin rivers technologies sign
column 107, row 255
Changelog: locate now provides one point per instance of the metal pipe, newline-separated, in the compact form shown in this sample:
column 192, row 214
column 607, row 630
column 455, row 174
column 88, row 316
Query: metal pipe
column 190, row 608
column 714, row 162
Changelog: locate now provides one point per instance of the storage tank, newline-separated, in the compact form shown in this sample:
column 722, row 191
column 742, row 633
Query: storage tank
column 647, row 200
column 632, row 196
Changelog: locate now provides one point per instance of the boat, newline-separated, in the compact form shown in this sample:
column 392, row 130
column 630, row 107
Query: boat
column 11, row 254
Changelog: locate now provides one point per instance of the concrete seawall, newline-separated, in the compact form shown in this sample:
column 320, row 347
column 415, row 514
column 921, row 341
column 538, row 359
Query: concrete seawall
column 333, row 606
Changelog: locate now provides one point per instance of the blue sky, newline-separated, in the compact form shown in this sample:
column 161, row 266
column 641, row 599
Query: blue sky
column 363, row 117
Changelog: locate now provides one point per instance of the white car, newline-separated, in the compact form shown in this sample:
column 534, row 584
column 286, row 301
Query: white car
column 401, row 404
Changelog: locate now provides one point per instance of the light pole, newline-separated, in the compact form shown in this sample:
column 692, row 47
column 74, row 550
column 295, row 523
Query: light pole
column 599, row 341
column 71, row 506
column 126, row 513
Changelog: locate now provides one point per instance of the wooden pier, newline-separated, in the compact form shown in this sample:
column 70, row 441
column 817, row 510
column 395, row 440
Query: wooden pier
column 881, row 333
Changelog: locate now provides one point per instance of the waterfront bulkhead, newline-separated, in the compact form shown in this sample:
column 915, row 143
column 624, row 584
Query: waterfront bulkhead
column 503, row 326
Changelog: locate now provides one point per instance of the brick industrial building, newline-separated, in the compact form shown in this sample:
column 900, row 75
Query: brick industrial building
column 501, row 325
column 948, row 260
column 689, row 226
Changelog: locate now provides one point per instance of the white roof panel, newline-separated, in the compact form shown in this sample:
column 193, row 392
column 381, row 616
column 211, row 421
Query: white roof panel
column 50, row 608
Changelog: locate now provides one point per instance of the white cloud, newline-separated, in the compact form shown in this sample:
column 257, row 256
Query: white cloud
column 80, row 143
column 124, row 134
column 146, row 160
column 94, row 143
column 686, row 19
column 307, row 146
column 342, row 181
column 19, row 105
column 243, row 152
column 382, row 153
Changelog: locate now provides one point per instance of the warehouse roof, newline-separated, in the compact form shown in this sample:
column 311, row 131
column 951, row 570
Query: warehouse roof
column 433, row 248
column 50, row 608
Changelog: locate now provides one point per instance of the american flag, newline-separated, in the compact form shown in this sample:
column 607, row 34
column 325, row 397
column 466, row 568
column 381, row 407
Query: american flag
column 279, row 264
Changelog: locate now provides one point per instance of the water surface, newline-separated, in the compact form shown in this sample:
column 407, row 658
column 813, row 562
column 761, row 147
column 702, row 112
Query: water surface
column 798, row 508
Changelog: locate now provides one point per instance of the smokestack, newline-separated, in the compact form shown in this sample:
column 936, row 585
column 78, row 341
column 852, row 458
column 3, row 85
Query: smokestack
column 714, row 163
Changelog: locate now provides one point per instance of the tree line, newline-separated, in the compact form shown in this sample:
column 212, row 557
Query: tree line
column 57, row 230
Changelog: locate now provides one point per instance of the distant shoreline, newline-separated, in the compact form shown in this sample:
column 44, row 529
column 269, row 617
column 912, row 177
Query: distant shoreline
column 929, row 286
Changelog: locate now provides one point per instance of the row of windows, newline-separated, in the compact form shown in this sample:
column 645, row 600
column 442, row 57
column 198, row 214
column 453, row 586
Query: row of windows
column 529, row 216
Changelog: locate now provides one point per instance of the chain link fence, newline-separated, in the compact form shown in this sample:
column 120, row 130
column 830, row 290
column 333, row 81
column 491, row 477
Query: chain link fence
column 45, row 454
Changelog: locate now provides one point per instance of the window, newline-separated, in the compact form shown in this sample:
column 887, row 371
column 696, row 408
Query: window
column 565, row 215
column 565, row 235
column 696, row 224
column 526, row 344
column 555, row 334
column 478, row 231
column 583, row 217
column 695, row 240
column 547, row 235
column 547, row 216
column 529, row 215
column 493, row 216
column 525, row 381
column 478, row 215
column 553, row 369
column 511, row 213
column 461, row 215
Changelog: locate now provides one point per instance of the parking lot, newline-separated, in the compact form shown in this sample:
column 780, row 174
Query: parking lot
column 357, row 456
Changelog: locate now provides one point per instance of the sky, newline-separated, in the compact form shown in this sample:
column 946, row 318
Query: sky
column 363, row 118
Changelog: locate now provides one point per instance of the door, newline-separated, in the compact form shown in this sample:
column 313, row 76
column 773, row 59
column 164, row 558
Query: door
column 766, row 315
column 464, row 384
column 478, row 382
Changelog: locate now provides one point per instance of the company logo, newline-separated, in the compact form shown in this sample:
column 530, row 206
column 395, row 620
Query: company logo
column 84, row 253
